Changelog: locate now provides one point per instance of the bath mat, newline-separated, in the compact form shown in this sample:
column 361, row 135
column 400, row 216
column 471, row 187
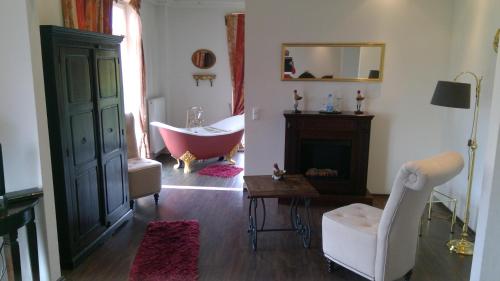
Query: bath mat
column 222, row 171
column 168, row 252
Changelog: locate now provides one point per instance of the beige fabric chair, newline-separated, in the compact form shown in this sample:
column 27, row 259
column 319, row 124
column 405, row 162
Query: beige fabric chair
column 381, row 244
column 144, row 175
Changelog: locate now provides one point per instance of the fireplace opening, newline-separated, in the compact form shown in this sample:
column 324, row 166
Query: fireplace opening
column 326, row 159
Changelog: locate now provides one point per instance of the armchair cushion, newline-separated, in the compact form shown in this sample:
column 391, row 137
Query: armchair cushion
column 350, row 237
column 144, row 177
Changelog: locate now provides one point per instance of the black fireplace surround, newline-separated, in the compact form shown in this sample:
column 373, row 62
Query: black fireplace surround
column 330, row 150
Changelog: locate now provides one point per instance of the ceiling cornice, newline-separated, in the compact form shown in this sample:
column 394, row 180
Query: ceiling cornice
column 197, row 4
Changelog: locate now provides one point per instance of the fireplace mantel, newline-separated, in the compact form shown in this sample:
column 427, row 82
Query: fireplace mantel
column 314, row 138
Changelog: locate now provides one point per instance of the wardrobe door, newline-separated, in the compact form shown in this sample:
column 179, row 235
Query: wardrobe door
column 82, row 153
column 112, row 133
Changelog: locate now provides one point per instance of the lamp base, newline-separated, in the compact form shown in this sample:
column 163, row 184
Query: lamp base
column 461, row 246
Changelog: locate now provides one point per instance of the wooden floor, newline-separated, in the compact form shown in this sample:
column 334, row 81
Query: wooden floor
column 225, row 251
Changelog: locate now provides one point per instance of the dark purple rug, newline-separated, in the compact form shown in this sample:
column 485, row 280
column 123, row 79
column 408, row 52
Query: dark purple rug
column 168, row 252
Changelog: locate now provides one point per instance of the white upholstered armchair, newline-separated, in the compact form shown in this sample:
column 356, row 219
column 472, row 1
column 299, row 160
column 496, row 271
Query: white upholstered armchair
column 381, row 244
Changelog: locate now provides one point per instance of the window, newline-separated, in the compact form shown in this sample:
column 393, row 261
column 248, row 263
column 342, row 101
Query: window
column 127, row 23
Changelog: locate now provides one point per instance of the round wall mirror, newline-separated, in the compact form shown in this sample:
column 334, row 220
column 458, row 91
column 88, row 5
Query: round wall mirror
column 203, row 58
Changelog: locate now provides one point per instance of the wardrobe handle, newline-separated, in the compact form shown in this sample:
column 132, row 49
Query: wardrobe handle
column 84, row 140
column 110, row 130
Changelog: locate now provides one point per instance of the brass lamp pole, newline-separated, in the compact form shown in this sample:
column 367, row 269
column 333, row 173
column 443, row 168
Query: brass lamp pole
column 463, row 245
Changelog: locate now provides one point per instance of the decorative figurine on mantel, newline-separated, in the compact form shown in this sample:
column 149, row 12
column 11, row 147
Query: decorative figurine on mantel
column 296, row 98
column 359, row 102
column 277, row 173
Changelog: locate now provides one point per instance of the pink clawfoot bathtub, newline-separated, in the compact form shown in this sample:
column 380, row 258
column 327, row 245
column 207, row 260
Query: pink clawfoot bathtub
column 188, row 144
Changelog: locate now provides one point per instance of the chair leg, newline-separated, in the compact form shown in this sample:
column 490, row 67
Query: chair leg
column 131, row 204
column 156, row 195
column 408, row 275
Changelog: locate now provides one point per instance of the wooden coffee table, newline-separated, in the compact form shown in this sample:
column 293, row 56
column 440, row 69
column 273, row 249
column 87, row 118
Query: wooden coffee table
column 294, row 187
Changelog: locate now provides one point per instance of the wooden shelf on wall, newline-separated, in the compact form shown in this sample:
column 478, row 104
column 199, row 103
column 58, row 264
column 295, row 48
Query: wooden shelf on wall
column 209, row 77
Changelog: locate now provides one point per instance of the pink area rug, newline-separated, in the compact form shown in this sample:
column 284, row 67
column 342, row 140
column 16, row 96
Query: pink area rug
column 222, row 171
column 168, row 252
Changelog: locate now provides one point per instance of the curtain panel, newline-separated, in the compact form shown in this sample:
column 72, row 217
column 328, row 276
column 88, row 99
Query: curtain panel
column 134, row 69
column 235, row 25
column 90, row 15
column 144, row 146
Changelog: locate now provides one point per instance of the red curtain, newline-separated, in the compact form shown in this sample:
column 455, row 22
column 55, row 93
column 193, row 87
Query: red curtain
column 235, row 24
column 91, row 15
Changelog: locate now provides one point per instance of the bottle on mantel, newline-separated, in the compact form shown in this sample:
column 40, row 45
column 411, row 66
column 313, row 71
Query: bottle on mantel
column 329, row 103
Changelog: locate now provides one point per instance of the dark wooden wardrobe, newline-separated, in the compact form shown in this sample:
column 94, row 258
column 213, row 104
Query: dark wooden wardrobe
column 84, row 97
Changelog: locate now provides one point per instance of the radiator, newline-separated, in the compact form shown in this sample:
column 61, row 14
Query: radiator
column 156, row 112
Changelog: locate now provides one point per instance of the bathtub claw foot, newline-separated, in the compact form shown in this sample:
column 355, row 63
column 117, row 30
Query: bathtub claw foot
column 179, row 164
column 229, row 156
column 187, row 158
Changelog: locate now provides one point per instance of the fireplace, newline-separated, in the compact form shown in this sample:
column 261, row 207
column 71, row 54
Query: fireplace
column 331, row 151
column 326, row 159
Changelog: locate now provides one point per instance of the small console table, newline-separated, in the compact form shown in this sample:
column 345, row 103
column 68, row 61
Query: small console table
column 17, row 215
column 294, row 187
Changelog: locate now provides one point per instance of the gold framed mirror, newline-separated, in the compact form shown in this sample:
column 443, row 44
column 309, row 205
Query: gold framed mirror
column 203, row 58
column 342, row 62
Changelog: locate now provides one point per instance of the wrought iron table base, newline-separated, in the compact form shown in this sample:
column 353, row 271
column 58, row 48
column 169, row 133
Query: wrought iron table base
column 299, row 224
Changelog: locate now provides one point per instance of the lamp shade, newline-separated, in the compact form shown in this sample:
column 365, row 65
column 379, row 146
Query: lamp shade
column 452, row 94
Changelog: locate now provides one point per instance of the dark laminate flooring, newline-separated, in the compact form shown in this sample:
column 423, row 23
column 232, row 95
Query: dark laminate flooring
column 225, row 251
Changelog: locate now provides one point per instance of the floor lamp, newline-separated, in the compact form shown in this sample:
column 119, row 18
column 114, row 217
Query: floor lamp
column 457, row 95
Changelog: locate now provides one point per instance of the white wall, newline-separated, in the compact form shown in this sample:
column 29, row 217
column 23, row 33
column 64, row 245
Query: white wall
column 151, row 37
column 184, row 28
column 405, row 127
column 474, row 25
column 18, row 127
column 49, row 12
column 23, row 127
column 487, row 250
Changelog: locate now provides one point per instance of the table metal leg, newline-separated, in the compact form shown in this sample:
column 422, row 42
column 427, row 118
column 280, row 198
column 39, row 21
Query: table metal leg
column 252, row 222
column 264, row 214
column 453, row 216
column 12, row 256
column 302, row 224
column 33, row 250
column 306, row 232
column 250, row 219
column 254, row 232
column 429, row 213
column 293, row 212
